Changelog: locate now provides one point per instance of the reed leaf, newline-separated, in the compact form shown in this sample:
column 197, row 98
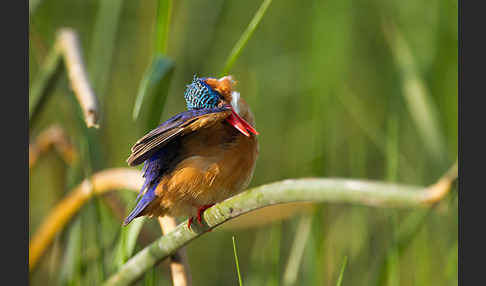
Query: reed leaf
column 235, row 52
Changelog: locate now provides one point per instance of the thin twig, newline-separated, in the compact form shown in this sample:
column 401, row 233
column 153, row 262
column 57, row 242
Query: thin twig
column 267, row 215
column 55, row 137
column 369, row 193
column 70, row 48
column 179, row 266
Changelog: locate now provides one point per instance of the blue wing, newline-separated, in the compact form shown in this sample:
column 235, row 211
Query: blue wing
column 169, row 130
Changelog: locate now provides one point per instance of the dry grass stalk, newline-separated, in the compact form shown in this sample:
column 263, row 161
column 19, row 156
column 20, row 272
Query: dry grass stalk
column 53, row 136
column 68, row 45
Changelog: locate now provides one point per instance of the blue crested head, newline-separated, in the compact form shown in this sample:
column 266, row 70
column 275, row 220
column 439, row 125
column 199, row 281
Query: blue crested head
column 200, row 95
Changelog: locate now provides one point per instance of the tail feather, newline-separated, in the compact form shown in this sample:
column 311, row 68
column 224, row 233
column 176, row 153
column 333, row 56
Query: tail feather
column 147, row 198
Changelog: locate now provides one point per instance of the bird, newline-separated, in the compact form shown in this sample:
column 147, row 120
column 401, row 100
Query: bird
column 198, row 157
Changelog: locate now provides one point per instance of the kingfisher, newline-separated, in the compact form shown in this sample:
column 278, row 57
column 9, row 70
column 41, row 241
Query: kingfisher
column 198, row 157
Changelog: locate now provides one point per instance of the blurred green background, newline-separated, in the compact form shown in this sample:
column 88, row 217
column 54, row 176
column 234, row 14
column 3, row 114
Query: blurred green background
column 340, row 88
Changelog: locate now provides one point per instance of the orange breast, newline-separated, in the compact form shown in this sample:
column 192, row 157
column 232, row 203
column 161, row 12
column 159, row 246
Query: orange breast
column 218, row 163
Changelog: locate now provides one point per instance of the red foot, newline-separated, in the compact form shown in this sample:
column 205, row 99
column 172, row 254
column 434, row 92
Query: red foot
column 201, row 210
column 189, row 222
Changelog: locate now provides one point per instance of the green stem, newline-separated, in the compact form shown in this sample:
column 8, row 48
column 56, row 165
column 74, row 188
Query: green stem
column 245, row 36
column 237, row 264
column 340, row 278
column 423, row 110
column 162, row 26
column 335, row 190
column 103, row 45
column 297, row 251
column 44, row 81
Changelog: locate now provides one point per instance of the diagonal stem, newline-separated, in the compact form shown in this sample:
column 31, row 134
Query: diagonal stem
column 370, row 193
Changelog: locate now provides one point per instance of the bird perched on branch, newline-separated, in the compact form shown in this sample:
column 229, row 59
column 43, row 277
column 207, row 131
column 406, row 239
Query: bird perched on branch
column 198, row 157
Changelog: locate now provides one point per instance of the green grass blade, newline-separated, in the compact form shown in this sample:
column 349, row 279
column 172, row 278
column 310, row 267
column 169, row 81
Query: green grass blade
column 70, row 273
column 451, row 264
column 419, row 102
column 156, row 78
column 132, row 234
column 392, row 149
column 245, row 36
column 340, row 278
column 391, row 174
column 44, row 81
column 236, row 261
column 120, row 255
column 357, row 110
column 409, row 228
column 150, row 278
column 275, row 253
column 103, row 43
column 319, row 233
column 164, row 11
column 393, row 255
column 127, row 242
column 153, row 89
column 256, row 273
column 128, row 235
column 297, row 252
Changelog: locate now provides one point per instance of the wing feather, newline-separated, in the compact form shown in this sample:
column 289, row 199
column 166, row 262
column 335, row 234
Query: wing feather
column 179, row 125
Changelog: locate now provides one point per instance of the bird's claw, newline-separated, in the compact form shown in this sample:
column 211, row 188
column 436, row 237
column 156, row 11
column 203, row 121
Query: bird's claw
column 200, row 211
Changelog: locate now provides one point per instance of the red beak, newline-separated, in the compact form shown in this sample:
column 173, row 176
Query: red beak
column 239, row 123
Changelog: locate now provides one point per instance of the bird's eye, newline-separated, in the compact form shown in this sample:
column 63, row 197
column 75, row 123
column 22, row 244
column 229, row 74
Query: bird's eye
column 221, row 103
